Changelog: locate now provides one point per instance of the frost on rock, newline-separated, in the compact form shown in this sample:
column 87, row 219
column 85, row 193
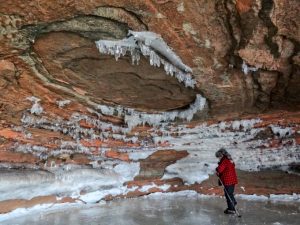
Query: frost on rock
column 63, row 103
column 147, row 44
column 246, row 69
column 36, row 108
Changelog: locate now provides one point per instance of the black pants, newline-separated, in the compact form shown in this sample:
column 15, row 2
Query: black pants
column 228, row 191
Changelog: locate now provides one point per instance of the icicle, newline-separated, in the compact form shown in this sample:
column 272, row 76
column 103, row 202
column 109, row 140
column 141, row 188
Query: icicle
column 147, row 43
column 134, row 118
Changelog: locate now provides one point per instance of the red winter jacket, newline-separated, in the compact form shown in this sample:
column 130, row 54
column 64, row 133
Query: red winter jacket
column 226, row 170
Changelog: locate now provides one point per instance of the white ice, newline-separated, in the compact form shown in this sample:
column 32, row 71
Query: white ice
column 184, row 208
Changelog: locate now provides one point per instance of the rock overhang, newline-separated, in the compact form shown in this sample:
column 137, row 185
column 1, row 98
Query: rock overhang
column 68, row 57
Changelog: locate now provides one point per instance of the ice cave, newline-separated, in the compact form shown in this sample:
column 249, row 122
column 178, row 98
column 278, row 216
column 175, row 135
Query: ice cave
column 150, row 112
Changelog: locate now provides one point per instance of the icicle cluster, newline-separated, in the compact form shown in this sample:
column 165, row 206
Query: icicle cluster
column 134, row 118
column 147, row 44
column 66, row 147
column 119, row 48
column 72, row 128
column 239, row 124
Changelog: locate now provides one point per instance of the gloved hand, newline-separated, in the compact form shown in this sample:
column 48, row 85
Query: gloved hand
column 219, row 182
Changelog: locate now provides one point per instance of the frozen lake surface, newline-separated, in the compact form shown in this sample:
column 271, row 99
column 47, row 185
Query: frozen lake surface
column 162, row 210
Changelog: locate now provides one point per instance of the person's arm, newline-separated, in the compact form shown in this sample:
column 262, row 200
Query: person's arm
column 221, row 167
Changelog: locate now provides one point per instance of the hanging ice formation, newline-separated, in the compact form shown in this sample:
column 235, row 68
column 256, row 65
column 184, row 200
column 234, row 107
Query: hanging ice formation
column 134, row 118
column 147, row 44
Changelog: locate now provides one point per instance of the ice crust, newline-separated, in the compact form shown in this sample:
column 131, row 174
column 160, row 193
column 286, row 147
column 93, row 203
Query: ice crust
column 68, row 180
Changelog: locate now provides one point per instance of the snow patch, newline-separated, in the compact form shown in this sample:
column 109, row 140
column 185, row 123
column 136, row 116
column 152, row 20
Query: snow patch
column 139, row 154
column 36, row 108
column 127, row 170
column 273, row 197
column 146, row 188
column 285, row 198
column 252, row 197
column 281, row 132
column 63, row 103
column 186, row 193
column 190, row 169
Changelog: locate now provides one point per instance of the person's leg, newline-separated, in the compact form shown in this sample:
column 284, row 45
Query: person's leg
column 229, row 196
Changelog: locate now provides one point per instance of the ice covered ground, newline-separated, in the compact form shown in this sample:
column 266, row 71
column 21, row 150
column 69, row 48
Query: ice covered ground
column 180, row 208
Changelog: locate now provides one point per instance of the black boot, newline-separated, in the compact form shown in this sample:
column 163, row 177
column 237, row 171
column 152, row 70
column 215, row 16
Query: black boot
column 228, row 211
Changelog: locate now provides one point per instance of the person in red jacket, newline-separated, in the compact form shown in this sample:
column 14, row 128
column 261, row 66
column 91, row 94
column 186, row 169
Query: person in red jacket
column 227, row 175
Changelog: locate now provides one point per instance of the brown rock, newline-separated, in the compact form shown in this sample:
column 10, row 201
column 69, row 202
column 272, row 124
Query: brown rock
column 117, row 155
column 154, row 166
column 10, row 205
column 7, row 69
column 267, row 81
column 17, row 157
column 243, row 5
column 286, row 18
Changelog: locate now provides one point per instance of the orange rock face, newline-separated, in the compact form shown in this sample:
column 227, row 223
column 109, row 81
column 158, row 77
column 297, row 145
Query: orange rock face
column 245, row 60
